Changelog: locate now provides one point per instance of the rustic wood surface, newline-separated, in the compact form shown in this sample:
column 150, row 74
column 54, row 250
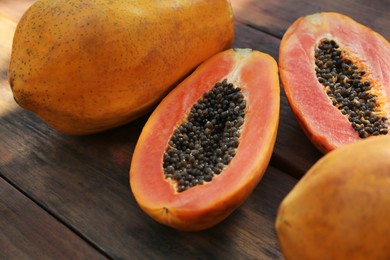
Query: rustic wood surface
column 68, row 197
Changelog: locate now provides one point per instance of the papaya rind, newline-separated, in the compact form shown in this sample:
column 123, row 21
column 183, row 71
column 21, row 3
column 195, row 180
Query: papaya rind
column 90, row 66
column 339, row 209
column 322, row 122
column 203, row 206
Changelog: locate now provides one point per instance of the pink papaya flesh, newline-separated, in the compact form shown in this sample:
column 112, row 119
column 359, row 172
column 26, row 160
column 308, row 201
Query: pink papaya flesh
column 335, row 73
column 203, row 206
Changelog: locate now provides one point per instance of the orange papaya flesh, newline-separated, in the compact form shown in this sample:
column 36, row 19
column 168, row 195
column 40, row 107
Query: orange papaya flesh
column 340, row 208
column 203, row 206
column 325, row 116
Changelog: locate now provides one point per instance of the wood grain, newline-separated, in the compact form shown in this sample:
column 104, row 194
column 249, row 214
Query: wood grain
column 79, row 186
column 293, row 152
column 29, row 232
column 274, row 17
column 80, row 194
column 83, row 181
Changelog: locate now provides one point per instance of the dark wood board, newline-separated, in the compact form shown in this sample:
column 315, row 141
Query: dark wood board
column 274, row 17
column 83, row 181
column 104, row 212
column 80, row 185
column 293, row 151
column 29, row 232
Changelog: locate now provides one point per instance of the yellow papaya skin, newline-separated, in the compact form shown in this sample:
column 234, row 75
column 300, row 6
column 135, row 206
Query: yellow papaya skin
column 340, row 208
column 88, row 66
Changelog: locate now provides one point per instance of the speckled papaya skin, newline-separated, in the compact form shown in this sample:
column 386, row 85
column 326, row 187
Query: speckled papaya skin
column 88, row 66
column 340, row 208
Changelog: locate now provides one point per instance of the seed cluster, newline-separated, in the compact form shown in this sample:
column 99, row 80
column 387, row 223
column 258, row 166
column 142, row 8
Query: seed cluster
column 348, row 91
column 206, row 141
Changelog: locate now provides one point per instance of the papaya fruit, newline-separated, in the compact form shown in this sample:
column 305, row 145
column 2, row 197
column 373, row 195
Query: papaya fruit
column 87, row 66
column 208, row 143
column 335, row 73
column 340, row 208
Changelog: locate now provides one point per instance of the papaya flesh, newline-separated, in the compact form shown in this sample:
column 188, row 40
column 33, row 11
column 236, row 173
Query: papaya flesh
column 340, row 208
column 203, row 206
column 88, row 66
column 335, row 73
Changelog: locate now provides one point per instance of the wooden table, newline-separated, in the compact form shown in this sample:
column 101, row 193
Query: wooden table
column 68, row 197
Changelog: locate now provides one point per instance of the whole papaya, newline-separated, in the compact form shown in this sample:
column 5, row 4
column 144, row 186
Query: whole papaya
column 340, row 208
column 88, row 66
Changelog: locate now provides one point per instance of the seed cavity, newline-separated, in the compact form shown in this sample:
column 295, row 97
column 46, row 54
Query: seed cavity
column 349, row 89
column 206, row 142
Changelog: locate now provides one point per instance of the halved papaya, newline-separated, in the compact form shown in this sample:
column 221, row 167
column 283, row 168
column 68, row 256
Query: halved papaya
column 208, row 143
column 335, row 73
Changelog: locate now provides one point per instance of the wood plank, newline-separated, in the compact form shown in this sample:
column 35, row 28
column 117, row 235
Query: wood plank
column 83, row 181
column 29, row 232
column 275, row 17
column 293, row 152
column 105, row 213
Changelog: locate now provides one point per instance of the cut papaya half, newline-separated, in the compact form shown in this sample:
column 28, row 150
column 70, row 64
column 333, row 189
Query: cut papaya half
column 208, row 143
column 335, row 73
